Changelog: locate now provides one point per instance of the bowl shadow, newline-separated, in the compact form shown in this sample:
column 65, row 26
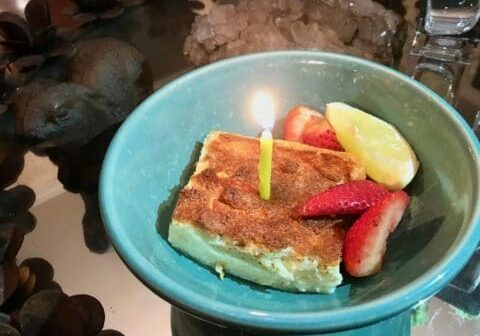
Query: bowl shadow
column 166, row 207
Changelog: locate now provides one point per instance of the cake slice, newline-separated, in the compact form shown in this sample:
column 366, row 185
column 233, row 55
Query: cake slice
column 221, row 221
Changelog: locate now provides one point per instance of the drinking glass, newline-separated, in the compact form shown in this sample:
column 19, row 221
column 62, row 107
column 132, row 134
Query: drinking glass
column 441, row 45
column 451, row 17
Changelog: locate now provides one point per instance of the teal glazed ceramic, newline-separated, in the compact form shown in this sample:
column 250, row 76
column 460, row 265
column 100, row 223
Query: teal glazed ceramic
column 153, row 152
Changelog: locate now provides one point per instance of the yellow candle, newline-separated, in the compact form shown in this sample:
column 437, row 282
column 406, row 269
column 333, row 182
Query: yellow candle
column 265, row 164
column 263, row 111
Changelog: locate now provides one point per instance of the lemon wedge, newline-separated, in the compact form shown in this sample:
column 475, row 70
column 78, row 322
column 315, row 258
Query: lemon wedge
column 387, row 157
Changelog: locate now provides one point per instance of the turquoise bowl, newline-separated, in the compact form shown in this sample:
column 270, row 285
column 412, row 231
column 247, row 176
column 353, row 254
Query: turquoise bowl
column 151, row 156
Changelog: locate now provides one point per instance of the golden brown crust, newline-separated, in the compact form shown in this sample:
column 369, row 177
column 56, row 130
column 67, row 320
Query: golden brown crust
column 222, row 195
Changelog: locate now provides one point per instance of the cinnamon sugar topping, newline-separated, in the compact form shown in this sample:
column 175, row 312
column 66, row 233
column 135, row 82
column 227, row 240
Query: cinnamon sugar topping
column 231, row 207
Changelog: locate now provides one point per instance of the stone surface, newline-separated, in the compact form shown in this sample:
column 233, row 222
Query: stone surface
column 362, row 27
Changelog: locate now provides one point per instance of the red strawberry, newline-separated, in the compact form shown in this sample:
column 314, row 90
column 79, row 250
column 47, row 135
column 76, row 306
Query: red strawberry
column 351, row 198
column 366, row 240
column 298, row 119
column 322, row 135
column 306, row 125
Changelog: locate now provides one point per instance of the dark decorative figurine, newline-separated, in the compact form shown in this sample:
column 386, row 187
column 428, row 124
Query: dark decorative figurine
column 74, row 121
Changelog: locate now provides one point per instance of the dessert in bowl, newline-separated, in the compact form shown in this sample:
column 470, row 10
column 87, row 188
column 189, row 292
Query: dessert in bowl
column 221, row 220
column 280, row 213
column 152, row 156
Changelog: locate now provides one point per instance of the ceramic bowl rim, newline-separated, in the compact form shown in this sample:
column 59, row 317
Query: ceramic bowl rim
column 380, row 308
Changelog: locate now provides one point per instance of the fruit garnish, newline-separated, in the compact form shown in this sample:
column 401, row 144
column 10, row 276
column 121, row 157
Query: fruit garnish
column 386, row 155
column 366, row 240
column 304, row 124
column 297, row 121
column 321, row 135
column 351, row 198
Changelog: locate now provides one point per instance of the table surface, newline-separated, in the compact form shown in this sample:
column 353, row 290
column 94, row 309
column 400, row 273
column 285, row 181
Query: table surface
column 130, row 307
column 158, row 31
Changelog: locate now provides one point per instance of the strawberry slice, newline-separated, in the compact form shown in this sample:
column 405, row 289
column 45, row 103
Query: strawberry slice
column 298, row 119
column 351, row 198
column 304, row 124
column 366, row 240
column 322, row 135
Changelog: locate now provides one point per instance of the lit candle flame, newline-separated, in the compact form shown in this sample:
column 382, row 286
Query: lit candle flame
column 263, row 110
